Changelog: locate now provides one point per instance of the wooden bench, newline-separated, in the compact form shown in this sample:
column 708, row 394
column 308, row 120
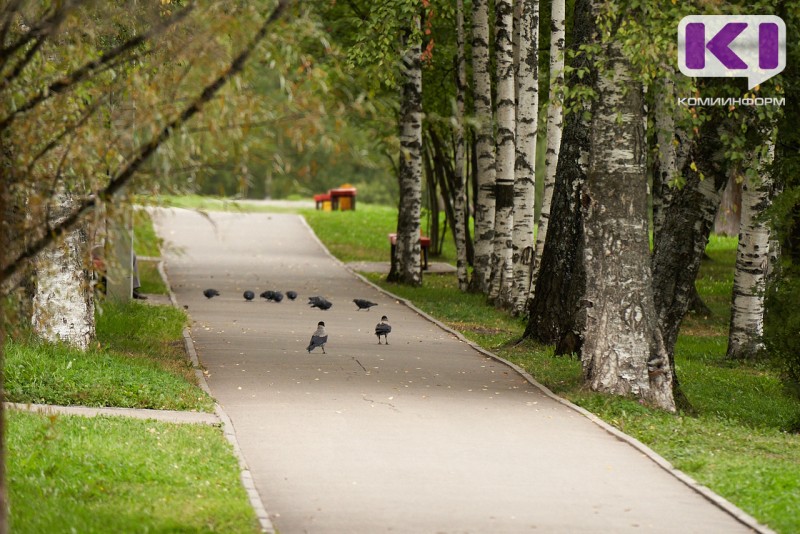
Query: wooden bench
column 321, row 199
column 424, row 244
column 343, row 198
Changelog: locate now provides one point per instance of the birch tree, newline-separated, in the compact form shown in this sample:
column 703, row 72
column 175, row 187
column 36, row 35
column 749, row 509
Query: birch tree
column 460, row 193
column 63, row 304
column 406, row 266
column 622, row 352
column 485, row 149
column 752, row 257
column 501, row 272
column 555, row 118
column 527, row 120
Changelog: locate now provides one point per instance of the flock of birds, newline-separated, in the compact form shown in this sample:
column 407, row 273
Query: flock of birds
column 320, row 336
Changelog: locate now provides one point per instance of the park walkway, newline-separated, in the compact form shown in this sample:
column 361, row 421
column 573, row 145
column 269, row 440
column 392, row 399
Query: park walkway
column 423, row 435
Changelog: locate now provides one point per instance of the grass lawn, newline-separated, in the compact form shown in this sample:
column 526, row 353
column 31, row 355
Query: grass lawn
column 138, row 362
column 111, row 474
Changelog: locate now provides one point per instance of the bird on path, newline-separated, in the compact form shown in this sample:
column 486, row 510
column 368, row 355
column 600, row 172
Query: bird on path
column 382, row 329
column 363, row 304
column 248, row 295
column 269, row 295
column 318, row 338
column 291, row 295
column 277, row 296
column 319, row 302
column 210, row 293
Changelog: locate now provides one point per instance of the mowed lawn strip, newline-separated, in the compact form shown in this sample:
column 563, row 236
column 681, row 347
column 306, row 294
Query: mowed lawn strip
column 110, row 474
column 138, row 361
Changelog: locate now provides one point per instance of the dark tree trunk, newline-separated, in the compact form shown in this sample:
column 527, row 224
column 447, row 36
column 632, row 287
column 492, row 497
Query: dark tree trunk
column 689, row 215
column 561, row 280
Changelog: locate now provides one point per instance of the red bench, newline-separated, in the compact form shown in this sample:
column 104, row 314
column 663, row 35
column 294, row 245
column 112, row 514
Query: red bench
column 343, row 198
column 424, row 244
column 320, row 199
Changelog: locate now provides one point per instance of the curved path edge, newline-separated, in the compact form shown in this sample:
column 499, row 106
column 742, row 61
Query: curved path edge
column 719, row 501
column 228, row 430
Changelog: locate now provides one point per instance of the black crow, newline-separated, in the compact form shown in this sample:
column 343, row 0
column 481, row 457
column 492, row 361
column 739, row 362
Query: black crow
column 291, row 295
column 248, row 295
column 318, row 338
column 269, row 295
column 382, row 329
column 319, row 302
column 210, row 293
column 277, row 296
column 363, row 304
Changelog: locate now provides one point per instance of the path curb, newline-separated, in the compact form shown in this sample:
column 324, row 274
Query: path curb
column 719, row 501
column 166, row 416
column 245, row 476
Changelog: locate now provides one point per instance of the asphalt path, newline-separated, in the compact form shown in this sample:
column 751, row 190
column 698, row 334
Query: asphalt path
column 425, row 434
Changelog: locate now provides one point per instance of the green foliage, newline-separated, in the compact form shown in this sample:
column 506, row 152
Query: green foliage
column 138, row 362
column 109, row 474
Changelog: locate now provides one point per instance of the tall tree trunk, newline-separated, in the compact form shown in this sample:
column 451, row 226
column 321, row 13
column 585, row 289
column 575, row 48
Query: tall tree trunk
column 622, row 351
column 525, row 164
column 555, row 117
column 501, row 273
column 553, row 314
column 666, row 163
column 5, row 231
column 729, row 217
column 682, row 234
column 460, row 186
column 407, row 269
column 485, row 170
column 752, row 260
column 63, row 305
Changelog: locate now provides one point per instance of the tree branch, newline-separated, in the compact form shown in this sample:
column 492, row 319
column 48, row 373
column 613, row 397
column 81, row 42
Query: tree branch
column 89, row 69
column 144, row 152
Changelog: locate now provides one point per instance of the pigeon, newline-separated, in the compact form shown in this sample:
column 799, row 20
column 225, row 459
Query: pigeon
column 318, row 338
column 210, row 293
column 248, row 295
column 274, row 296
column 363, row 304
column 291, row 295
column 382, row 329
column 319, row 302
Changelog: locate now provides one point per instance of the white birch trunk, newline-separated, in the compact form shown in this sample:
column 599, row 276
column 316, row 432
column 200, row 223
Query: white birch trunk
column 555, row 116
column 667, row 155
column 406, row 263
column 501, row 273
column 63, row 306
column 460, row 193
column 485, row 171
column 525, row 164
column 623, row 352
column 752, row 262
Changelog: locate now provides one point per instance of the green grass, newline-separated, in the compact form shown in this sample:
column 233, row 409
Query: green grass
column 147, row 244
column 109, row 474
column 138, row 362
column 735, row 444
